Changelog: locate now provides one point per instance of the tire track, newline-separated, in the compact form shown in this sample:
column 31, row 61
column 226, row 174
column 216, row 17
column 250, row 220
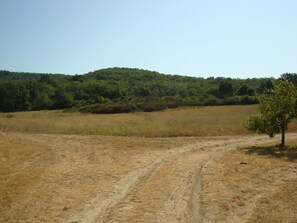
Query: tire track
column 99, row 208
column 156, row 193
column 191, row 210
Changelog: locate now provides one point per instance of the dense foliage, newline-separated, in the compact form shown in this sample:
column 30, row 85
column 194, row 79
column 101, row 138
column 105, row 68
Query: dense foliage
column 278, row 107
column 115, row 90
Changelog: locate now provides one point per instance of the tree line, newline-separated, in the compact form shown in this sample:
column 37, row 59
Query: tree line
column 116, row 90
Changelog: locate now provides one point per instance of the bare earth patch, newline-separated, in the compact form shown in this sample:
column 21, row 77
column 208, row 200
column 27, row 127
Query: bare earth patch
column 71, row 178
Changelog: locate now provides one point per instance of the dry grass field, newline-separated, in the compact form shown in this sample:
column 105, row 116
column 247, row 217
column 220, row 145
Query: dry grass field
column 253, row 184
column 45, row 178
column 56, row 167
column 195, row 121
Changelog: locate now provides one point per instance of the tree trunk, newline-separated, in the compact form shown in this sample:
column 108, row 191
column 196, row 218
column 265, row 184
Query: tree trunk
column 283, row 136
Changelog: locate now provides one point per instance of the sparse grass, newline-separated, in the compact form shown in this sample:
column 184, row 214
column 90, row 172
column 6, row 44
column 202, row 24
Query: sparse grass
column 9, row 115
column 194, row 121
column 279, row 206
column 288, row 152
column 46, row 178
column 260, row 180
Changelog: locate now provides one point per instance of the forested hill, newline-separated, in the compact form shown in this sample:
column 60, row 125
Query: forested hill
column 115, row 90
column 7, row 75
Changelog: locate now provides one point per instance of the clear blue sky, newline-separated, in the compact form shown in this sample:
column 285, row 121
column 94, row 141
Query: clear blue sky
column 234, row 38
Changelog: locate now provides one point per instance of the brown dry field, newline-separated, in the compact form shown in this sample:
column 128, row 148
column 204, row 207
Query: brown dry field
column 73, row 178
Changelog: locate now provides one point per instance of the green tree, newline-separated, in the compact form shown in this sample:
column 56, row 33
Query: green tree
column 62, row 99
column 245, row 90
column 226, row 89
column 267, row 85
column 43, row 101
column 277, row 110
column 291, row 77
column 14, row 96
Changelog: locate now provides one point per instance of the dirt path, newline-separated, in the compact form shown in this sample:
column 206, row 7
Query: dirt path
column 168, row 189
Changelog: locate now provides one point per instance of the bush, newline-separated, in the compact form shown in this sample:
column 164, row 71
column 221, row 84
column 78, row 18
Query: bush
column 154, row 107
column 240, row 100
column 126, row 107
column 108, row 108
column 212, row 101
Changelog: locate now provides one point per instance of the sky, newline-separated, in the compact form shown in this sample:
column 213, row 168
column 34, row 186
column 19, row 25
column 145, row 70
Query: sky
column 203, row 38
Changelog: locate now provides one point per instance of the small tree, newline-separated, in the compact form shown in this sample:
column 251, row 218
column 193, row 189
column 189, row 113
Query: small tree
column 278, row 107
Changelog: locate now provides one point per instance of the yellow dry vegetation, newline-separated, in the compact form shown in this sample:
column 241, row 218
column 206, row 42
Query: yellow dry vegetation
column 46, row 178
column 255, row 184
column 53, row 164
column 190, row 121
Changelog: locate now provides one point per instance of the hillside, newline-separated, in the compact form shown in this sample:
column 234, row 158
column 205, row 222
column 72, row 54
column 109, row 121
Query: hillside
column 8, row 75
column 117, row 90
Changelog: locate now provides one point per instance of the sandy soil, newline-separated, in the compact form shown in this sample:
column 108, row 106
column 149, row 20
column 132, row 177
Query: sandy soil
column 116, row 179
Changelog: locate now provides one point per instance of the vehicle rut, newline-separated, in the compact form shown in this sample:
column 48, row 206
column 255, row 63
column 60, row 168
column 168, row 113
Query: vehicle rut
column 168, row 189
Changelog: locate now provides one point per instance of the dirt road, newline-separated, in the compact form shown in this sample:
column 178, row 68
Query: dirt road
column 173, row 187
